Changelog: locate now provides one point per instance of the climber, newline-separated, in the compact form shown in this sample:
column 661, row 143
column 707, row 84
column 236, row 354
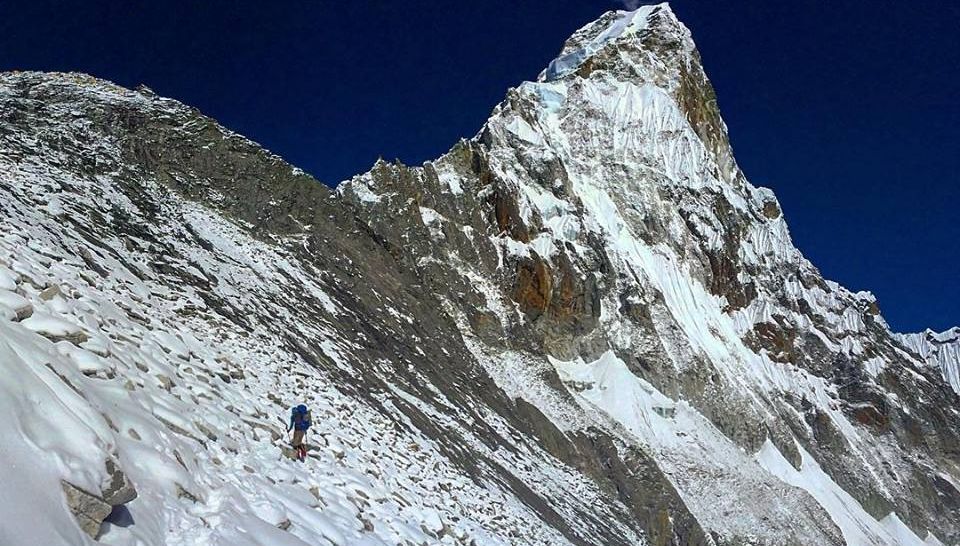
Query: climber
column 299, row 423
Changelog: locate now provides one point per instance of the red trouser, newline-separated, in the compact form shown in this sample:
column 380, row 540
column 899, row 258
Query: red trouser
column 298, row 443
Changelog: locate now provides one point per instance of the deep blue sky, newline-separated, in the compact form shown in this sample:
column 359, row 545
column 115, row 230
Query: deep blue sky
column 849, row 110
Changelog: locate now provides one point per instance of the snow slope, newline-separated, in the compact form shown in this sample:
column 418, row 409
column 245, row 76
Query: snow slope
column 192, row 410
column 857, row 525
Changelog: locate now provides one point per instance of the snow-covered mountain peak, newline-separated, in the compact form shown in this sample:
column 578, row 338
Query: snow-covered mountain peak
column 617, row 31
column 651, row 51
column 600, row 215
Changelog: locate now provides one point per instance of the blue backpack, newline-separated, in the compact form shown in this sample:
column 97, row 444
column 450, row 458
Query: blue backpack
column 300, row 416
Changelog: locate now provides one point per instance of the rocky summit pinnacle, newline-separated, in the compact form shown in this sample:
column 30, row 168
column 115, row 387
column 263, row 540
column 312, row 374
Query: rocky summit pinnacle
column 582, row 326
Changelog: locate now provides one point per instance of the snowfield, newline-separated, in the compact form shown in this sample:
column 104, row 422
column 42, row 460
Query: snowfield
column 195, row 414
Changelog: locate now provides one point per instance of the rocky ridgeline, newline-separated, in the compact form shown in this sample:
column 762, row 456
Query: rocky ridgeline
column 941, row 350
column 581, row 326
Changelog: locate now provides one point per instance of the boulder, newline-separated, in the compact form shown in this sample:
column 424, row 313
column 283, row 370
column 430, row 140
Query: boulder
column 20, row 307
column 50, row 292
column 55, row 328
column 117, row 489
column 91, row 509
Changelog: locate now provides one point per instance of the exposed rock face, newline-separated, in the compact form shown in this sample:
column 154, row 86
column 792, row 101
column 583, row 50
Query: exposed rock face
column 586, row 308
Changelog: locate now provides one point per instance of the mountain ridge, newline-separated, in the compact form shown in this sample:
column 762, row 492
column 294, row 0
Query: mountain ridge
column 832, row 308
